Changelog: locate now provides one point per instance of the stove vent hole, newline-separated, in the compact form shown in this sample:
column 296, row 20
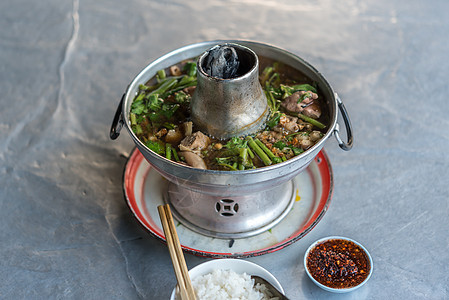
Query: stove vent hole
column 227, row 207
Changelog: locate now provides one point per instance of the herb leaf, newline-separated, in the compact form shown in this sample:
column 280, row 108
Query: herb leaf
column 168, row 110
column 307, row 94
column 181, row 97
column 289, row 90
column 138, row 107
column 154, row 102
column 236, row 142
column 190, row 68
column 157, row 146
column 304, row 87
column 274, row 120
column 280, row 145
column 297, row 151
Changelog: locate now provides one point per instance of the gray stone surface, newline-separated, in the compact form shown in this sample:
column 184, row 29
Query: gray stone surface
column 66, row 231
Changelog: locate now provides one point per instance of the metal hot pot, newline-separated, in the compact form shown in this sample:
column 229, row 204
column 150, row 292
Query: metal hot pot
column 232, row 204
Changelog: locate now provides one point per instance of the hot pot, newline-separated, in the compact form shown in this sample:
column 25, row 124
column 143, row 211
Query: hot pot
column 232, row 204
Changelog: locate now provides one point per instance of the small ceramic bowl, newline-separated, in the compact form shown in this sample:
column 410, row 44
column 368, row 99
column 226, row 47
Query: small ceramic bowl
column 237, row 265
column 331, row 289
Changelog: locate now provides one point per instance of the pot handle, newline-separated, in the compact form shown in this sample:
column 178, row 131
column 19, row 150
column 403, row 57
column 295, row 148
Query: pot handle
column 118, row 122
column 345, row 146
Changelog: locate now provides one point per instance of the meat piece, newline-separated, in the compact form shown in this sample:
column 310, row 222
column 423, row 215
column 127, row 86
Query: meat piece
column 291, row 102
column 195, row 142
column 270, row 136
column 289, row 123
column 304, row 126
column 313, row 110
column 173, row 136
column 306, row 144
column 186, row 128
column 193, row 160
column 175, row 71
column 189, row 90
column 161, row 132
column 315, row 135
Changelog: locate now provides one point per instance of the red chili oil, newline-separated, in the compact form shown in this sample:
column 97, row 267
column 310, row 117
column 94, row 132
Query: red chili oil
column 338, row 263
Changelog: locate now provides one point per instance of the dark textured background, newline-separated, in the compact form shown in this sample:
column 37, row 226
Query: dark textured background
column 66, row 231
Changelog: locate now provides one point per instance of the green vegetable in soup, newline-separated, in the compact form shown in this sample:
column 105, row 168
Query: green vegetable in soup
column 270, row 154
column 156, row 146
column 274, row 120
column 190, row 69
column 160, row 75
column 312, row 121
column 263, row 156
column 289, row 90
column 280, row 145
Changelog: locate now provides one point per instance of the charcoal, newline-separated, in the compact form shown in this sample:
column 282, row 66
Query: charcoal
column 222, row 62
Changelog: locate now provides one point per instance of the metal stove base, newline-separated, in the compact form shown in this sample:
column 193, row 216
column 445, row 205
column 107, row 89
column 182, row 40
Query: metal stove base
column 230, row 217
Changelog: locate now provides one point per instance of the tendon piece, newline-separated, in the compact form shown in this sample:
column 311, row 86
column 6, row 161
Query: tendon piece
column 193, row 159
column 195, row 142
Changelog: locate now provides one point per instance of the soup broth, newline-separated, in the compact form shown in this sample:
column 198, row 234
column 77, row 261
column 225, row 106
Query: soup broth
column 160, row 118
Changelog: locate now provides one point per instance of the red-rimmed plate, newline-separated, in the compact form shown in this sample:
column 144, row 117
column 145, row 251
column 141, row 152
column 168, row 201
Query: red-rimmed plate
column 144, row 188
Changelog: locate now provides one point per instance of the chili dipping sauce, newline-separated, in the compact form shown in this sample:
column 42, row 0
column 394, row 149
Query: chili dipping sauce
column 338, row 263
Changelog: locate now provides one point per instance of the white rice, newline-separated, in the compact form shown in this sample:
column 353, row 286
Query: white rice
column 229, row 285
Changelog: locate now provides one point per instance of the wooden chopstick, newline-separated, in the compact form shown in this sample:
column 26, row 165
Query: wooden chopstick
column 177, row 257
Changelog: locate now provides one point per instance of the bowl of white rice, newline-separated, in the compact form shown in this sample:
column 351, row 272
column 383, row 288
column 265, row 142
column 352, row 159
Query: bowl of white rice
column 224, row 279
